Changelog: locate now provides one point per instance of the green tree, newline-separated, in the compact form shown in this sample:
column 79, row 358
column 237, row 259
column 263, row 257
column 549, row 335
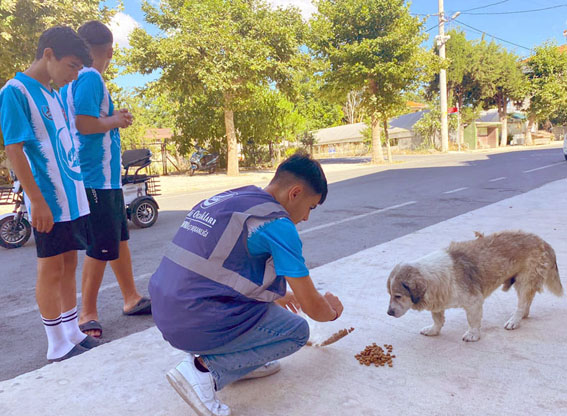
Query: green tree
column 270, row 119
column 502, row 81
column 371, row 46
column 546, row 71
column 216, row 53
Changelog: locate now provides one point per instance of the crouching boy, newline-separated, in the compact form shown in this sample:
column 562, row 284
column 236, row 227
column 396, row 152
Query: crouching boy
column 220, row 290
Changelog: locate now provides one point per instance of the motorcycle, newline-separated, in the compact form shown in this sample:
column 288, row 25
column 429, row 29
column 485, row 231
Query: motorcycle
column 15, row 229
column 203, row 160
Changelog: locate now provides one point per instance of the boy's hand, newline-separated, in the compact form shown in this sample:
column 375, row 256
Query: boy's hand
column 42, row 218
column 335, row 303
column 123, row 118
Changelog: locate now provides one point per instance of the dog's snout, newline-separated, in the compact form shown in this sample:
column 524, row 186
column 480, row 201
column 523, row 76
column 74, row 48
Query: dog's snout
column 391, row 312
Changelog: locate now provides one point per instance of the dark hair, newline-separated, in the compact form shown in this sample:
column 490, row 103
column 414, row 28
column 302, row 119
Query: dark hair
column 305, row 168
column 95, row 33
column 63, row 41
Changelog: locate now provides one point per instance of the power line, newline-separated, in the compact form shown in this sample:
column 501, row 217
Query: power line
column 484, row 7
column 492, row 36
column 519, row 11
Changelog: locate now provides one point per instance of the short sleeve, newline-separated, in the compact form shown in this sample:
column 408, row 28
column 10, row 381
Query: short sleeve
column 88, row 93
column 280, row 239
column 15, row 116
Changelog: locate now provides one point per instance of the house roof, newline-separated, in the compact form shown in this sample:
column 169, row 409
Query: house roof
column 340, row 134
column 490, row 116
column 353, row 133
column 406, row 121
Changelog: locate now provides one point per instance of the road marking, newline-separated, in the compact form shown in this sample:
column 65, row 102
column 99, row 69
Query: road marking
column 456, row 190
column 497, row 179
column 544, row 167
column 34, row 308
column 356, row 217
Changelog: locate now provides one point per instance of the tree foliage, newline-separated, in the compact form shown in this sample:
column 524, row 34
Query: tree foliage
column 213, row 56
column 372, row 46
column 547, row 72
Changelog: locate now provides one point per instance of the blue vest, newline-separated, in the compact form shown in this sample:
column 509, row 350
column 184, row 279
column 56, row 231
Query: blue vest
column 208, row 289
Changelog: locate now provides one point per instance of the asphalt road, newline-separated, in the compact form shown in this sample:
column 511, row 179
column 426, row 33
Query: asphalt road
column 364, row 208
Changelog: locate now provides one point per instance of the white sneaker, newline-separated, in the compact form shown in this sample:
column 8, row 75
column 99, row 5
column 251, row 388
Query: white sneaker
column 196, row 388
column 267, row 369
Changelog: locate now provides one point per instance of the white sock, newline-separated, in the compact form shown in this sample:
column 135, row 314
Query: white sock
column 57, row 343
column 70, row 323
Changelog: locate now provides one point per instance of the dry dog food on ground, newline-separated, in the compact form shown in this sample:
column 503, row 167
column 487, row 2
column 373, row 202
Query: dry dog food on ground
column 374, row 354
column 336, row 336
column 333, row 338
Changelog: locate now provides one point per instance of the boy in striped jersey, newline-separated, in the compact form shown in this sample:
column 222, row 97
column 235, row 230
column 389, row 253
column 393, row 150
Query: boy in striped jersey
column 39, row 146
column 94, row 127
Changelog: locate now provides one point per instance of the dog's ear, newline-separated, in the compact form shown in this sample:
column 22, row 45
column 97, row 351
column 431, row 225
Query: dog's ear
column 415, row 287
column 393, row 273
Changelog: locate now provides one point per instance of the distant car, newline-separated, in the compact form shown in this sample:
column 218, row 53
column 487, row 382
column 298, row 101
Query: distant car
column 565, row 147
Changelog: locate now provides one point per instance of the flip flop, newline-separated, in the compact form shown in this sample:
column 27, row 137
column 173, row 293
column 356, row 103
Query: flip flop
column 143, row 307
column 77, row 349
column 91, row 326
column 90, row 342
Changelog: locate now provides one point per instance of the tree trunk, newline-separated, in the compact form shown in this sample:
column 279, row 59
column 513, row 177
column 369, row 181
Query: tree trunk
column 461, row 127
column 377, row 155
column 232, row 146
column 164, row 158
column 529, row 140
column 387, row 140
column 504, row 121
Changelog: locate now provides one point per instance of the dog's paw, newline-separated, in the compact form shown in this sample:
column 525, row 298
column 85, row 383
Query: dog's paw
column 512, row 324
column 430, row 331
column 472, row 335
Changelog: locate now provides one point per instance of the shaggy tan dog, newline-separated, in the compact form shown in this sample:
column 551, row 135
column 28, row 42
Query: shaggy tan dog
column 467, row 272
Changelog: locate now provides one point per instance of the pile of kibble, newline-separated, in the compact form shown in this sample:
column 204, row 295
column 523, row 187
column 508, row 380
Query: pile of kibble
column 374, row 354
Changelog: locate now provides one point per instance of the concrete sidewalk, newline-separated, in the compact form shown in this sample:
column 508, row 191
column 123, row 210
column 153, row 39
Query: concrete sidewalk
column 519, row 372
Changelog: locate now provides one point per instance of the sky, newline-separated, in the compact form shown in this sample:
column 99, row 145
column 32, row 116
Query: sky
column 517, row 25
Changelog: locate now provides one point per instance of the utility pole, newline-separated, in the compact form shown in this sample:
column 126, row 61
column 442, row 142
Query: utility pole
column 443, row 80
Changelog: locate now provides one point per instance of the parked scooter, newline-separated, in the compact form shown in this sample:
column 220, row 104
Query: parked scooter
column 139, row 189
column 203, row 160
column 15, row 229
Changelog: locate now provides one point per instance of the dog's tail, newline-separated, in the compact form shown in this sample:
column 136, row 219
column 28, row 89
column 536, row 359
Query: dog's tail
column 552, row 280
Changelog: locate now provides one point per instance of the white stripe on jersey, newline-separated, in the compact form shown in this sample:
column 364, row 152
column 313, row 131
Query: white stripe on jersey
column 106, row 143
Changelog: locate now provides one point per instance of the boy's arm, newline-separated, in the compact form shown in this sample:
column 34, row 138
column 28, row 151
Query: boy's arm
column 42, row 218
column 319, row 307
column 94, row 125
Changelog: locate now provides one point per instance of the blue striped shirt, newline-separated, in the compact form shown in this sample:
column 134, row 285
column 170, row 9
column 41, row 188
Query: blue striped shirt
column 99, row 154
column 33, row 115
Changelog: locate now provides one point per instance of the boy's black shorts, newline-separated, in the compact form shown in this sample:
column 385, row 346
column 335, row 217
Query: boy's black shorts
column 64, row 236
column 108, row 224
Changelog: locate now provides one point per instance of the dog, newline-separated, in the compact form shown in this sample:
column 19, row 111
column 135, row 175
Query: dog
column 466, row 273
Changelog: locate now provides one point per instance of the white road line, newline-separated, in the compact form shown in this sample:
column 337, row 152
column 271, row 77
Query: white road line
column 356, row 217
column 544, row 167
column 456, row 190
column 497, row 179
column 34, row 308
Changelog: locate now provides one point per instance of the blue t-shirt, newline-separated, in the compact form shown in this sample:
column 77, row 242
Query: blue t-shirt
column 280, row 239
column 99, row 154
column 33, row 115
